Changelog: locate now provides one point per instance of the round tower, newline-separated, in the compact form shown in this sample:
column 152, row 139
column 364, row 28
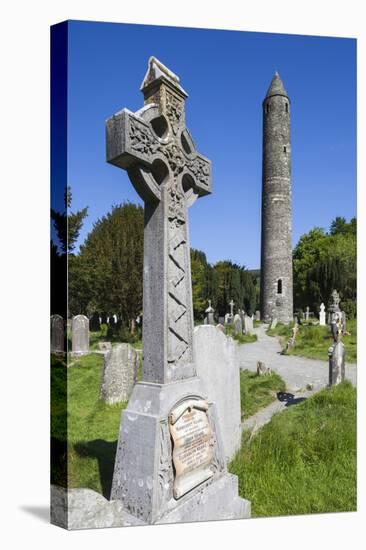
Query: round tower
column 276, row 249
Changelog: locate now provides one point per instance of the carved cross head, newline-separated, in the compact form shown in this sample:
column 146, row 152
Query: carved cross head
column 154, row 145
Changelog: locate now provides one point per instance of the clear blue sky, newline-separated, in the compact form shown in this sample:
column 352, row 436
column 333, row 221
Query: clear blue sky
column 226, row 74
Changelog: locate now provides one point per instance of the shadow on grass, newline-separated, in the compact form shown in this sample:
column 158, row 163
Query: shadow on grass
column 289, row 398
column 104, row 452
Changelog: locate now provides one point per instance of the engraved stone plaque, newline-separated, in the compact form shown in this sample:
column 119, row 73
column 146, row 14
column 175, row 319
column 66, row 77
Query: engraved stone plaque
column 192, row 449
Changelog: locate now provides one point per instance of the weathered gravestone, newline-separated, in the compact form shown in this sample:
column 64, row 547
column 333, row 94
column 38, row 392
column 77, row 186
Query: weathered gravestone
column 221, row 320
column 322, row 315
column 257, row 315
column 57, row 334
column 217, row 366
column 238, row 326
column 248, row 324
column 80, row 335
column 337, row 355
column 307, row 313
column 119, row 374
column 209, row 314
column 333, row 305
column 274, row 323
column 170, row 463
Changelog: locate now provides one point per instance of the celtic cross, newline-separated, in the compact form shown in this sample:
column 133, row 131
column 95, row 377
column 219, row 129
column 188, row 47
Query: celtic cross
column 155, row 147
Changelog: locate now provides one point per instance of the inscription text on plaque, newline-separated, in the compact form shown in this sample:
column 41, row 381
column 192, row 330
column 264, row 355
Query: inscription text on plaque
column 192, row 450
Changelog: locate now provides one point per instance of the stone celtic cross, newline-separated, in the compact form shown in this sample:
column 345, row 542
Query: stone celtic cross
column 155, row 147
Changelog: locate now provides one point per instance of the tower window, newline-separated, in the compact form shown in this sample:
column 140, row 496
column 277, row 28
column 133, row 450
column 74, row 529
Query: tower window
column 284, row 149
column 279, row 286
column 286, row 107
column 267, row 108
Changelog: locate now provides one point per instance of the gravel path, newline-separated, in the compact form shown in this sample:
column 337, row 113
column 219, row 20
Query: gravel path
column 297, row 372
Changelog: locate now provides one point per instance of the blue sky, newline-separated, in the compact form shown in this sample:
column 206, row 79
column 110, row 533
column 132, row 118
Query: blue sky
column 226, row 74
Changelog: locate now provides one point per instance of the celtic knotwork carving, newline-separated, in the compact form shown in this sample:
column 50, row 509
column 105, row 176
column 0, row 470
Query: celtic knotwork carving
column 174, row 111
column 165, row 474
column 142, row 139
column 200, row 170
column 175, row 158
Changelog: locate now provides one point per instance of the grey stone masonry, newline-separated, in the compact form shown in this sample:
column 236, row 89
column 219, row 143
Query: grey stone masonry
column 209, row 319
column 238, row 325
column 337, row 356
column 80, row 335
column 119, row 374
column 218, row 368
column 170, row 464
column 276, row 247
column 57, row 334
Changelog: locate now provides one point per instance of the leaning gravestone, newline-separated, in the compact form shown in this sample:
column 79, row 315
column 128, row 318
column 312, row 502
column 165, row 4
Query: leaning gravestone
column 57, row 334
column 170, row 462
column 213, row 350
column 119, row 374
column 238, row 326
column 322, row 315
column 80, row 335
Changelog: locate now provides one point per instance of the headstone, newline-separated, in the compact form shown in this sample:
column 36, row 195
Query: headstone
column 213, row 350
column 80, row 335
column 248, row 324
column 257, row 315
column 119, row 374
column 104, row 346
column 238, row 326
column 57, row 334
column 333, row 305
column 322, row 315
column 209, row 314
column 228, row 319
column 336, row 355
column 170, row 462
column 262, row 369
column 307, row 313
column 274, row 323
column 221, row 320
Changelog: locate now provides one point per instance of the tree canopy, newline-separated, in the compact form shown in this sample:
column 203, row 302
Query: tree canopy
column 324, row 261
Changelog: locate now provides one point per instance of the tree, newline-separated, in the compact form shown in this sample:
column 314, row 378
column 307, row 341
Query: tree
column 326, row 261
column 68, row 224
column 107, row 274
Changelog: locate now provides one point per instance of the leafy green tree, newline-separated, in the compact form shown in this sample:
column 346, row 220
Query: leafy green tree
column 107, row 274
column 68, row 224
column 326, row 261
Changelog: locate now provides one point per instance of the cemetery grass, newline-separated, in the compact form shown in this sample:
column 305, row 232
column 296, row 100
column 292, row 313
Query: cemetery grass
column 92, row 425
column 304, row 460
column 257, row 391
column 240, row 338
column 313, row 341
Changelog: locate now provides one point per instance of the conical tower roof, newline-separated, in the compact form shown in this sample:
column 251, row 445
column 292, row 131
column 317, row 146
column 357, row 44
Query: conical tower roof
column 276, row 87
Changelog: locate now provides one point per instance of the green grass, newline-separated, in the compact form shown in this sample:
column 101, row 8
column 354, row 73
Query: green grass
column 304, row 460
column 313, row 341
column 258, row 391
column 91, row 425
column 240, row 338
